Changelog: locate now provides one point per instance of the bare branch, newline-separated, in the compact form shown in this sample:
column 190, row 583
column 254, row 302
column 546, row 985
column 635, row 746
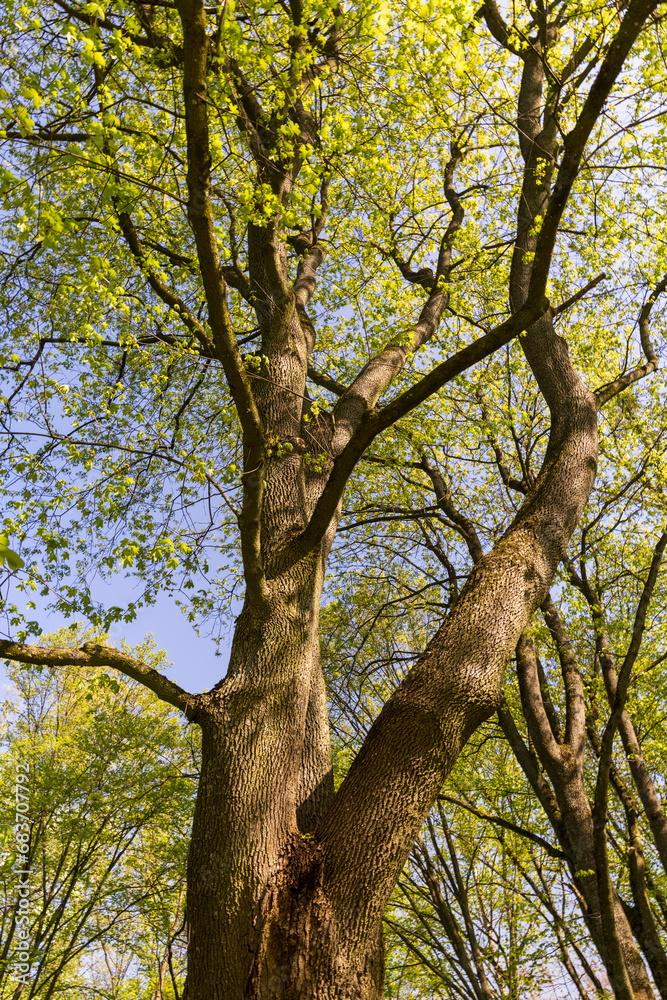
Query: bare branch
column 552, row 851
column 537, row 719
column 234, row 275
column 444, row 501
column 327, row 383
column 605, row 393
column 530, row 767
column 640, row 619
column 505, row 474
column 47, row 135
column 91, row 654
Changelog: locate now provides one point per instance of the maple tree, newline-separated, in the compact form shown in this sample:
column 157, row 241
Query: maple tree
column 375, row 200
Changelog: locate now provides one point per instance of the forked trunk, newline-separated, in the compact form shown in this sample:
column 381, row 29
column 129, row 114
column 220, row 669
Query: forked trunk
column 259, row 922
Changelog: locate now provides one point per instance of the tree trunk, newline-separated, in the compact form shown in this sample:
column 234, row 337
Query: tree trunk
column 263, row 788
column 570, row 809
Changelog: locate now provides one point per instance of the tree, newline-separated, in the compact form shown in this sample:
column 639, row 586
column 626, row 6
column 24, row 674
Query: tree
column 110, row 784
column 181, row 175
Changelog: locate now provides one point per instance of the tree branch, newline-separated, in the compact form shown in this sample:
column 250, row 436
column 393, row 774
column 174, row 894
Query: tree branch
column 578, row 295
column 537, row 720
column 552, row 851
column 376, row 421
column 637, row 14
column 508, row 480
column 91, row 654
column 640, row 620
column 575, row 708
column 529, row 765
column 200, row 215
column 444, row 501
column 166, row 294
column 605, row 393
column 366, row 389
column 605, row 887
column 151, row 41
column 327, row 383
column 497, row 26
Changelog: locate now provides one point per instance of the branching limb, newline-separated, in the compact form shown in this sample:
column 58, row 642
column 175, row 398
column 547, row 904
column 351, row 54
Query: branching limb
column 312, row 251
column 304, row 284
column 537, row 718
column 200, row 214
column 640, row 621
column 497, row 26
column 366, row 389
column 235, row 275
column 639, row 770
column 48, row 135
column 459, row 886
column 578, row 295
column 552, row 851
column 530, row 767
column 162, row 290
column 376, row 421
column 605, row 887
column 605, row 393
column 638, row 13
column 508, row 480
column 91, row 654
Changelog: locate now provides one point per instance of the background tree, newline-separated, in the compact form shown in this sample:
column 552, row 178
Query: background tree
column 174, row 176
column 111, row 779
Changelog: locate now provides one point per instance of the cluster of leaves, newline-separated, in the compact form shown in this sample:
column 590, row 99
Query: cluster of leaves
column 122, row 446
column 111, row 780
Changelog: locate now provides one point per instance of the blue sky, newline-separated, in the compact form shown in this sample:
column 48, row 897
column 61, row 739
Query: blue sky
column 195, row 665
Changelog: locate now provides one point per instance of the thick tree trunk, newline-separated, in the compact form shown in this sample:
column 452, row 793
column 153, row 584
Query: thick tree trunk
column 260, row 923
column 259, row 773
